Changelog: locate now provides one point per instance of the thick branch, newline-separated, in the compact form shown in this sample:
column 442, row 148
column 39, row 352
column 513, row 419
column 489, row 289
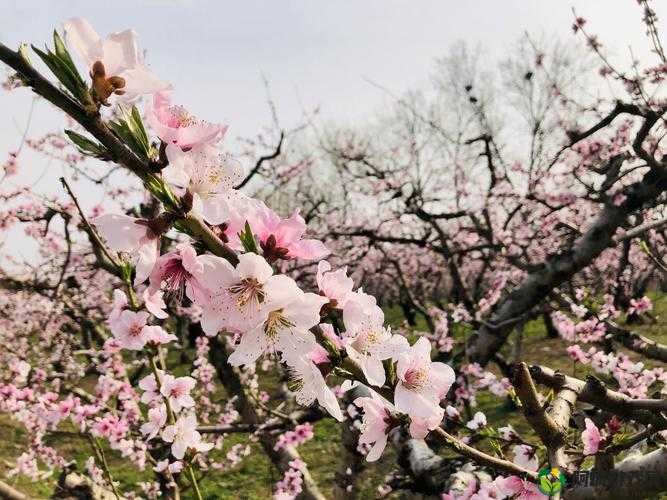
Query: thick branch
column 10, row 493
column 559, row 268
column 594, row 392
column 549, row 431
column 637, row 342
column 637, row 476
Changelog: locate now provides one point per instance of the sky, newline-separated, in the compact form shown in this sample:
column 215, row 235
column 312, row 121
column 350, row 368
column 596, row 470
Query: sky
column 313, row 53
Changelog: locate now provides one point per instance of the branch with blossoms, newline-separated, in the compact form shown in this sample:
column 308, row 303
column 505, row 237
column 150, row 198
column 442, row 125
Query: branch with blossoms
column 212, row 265
column 234, row 285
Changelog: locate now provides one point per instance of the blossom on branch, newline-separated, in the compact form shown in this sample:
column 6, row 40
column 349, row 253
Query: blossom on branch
column 368, row 343
column 177, row 273
column 175, row 125
column 183, row 436
column 335, row 285
column 421, row 382
column 237, row 295
column 133, row 238
column 376, row 424
column 116, row 64
column 283, row 238
column 290, row 314
column 591, row 437
column 208, row 175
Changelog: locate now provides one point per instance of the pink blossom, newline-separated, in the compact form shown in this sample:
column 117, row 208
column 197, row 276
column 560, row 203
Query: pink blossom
column 208, row 175
column 149, row 385
column 377, row 422
column 175, row 125
column 233, row 210
column 319, row 355
column 178, row 272
column 619, row 198
column 119, row 303
column 183, row 436
column 237, row 295
column 335, row 285
column 173, row 467
column 20, row 370
column 420, row 427
column 489, row 491
column 157, row 418
column 639, row 306
column 309, row 384
column 507, row 433
column 156, row 335
column 526, row 457
column 155, row 304
column 177, row 391
column 290, row 314
column 478, row 421
column 130, row 331
column 128, row 235
column 452, row 413
column 283, row 238
column 421, row 382
column 460, row 314
column 300, row 434
column 119, row 54
column 577, row 353
column 26, row 464
column 524, row 490
column 11, row 166
column 367, row 341
column 291, row 485
column 110, row 427
column 591, row 437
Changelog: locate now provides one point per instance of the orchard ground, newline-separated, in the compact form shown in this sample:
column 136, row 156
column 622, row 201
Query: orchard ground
column 255, row 476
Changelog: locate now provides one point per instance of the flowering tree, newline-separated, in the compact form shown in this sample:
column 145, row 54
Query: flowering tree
column 148, row 328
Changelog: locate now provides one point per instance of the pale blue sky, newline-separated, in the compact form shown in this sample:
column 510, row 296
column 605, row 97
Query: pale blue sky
column 313, row 52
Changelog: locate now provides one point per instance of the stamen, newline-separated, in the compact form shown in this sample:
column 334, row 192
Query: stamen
column 135, row 330
column 416, row 379
column 248, row 291
column 174, row 277
column 275, row 322
column 181, row 117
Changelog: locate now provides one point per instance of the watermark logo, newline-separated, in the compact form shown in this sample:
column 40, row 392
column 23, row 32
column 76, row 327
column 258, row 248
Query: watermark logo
column 550, row 481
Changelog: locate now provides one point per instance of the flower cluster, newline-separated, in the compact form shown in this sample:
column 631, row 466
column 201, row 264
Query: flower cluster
column 266, row 312
column 230, row 288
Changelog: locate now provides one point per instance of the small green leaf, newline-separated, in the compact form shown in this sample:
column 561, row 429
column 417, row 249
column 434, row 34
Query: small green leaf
column 88, row 147
column 390, row 370
column 161, row 191
column 66, row 74
column 139, row 125
column 248, row 240
column 63, row 54
column 545, row 485
column 131, row 130
column 495, row 445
